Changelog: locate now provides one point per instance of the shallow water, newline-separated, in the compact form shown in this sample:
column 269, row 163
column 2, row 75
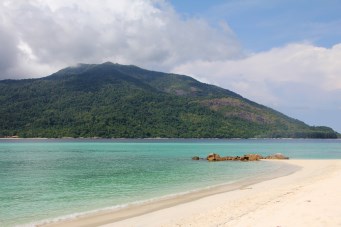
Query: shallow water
column 43, row 179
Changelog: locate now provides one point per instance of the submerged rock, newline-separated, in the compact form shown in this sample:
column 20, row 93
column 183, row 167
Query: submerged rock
column 227, row 158
column 195, row 158
column 236, row 158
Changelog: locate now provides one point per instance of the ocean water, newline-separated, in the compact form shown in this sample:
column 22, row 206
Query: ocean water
column 47, row 179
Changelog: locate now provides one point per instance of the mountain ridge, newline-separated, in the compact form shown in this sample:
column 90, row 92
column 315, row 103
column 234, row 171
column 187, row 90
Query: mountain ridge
column 125, row 101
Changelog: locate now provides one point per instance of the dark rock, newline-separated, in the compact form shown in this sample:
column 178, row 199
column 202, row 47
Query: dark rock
column 195, row 158
column 253, row 157
column 236, row 158
column 213, row 157
column 244, row 158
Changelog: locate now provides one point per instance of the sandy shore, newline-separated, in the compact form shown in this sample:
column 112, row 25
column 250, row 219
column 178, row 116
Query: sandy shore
column 311, row 196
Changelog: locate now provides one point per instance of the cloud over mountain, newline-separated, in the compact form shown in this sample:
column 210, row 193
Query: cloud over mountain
column 40, row 37
column 300, row 79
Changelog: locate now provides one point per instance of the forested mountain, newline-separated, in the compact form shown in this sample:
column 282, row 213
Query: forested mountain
column 119, row 101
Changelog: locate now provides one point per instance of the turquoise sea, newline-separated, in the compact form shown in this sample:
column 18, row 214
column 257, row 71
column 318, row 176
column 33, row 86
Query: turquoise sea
column 49, row 179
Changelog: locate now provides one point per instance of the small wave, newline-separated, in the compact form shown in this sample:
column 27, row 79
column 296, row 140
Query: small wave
column 74, row 216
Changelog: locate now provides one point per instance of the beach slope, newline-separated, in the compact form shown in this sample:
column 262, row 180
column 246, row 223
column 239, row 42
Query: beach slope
column 309, row 197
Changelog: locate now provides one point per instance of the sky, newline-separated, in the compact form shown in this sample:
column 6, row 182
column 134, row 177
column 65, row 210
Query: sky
column 284, row 54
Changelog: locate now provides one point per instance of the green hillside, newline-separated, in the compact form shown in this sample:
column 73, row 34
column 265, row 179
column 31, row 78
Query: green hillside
column 118, row 101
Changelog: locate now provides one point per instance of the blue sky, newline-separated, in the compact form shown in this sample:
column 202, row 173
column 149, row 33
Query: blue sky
column 264, row 24
column 284, row 54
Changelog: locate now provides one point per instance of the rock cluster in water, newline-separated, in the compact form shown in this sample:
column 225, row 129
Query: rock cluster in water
column 247, row 157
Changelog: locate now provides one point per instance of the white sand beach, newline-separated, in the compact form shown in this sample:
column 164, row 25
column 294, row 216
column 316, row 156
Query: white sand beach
column 310, row 196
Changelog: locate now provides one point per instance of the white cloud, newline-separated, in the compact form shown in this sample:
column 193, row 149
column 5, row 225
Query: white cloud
column 50, row 34
column 257, row 75
column 290, row 78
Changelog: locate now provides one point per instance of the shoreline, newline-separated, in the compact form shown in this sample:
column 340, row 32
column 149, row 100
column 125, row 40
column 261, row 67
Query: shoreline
column 307, row 196
column 107, row 216
column 165, row 138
